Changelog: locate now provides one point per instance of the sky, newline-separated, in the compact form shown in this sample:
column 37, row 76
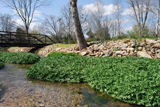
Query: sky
column 54, row 8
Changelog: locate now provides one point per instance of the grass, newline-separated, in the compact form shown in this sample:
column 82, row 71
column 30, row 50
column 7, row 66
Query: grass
column 132, row 80
column 19, row 58
column 64, row 45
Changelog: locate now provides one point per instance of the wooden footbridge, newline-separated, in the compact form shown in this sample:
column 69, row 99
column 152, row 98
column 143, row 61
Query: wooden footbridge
column 10, row 39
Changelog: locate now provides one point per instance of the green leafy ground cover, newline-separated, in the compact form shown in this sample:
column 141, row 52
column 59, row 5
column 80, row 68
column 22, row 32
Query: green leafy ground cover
column 0, row 87
column 19, row 58
column 1, row 65
column 133, row 80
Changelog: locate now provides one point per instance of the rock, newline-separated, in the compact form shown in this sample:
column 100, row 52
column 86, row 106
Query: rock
column 41, row 105
column 131, row 53
column 158, row 51
column 123, row 49
column 108, row 53
column 130, row 49
column 83, row 53
column 124, row 46
column 58, row 49
column 95, row 42
column 101, row 47
column 140, row 48
column 76, row 48
column 85, row 106
column 150, row 41
column 157, row 45
column 119, row 55
column 142, row 44
column 119, row 52
column 143, row 54
column 127, row 40
column 158, row 41
column 158, row 55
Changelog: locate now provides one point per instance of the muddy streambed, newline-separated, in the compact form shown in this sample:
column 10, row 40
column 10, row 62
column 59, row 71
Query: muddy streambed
column 20, row 91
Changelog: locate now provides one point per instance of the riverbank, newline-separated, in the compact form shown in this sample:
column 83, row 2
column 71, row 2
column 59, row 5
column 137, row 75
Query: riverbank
column 18, row 90
column 130, row 79
column 149, row 48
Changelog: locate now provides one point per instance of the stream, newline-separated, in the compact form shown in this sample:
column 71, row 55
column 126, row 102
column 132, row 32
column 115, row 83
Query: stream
column 20, row 91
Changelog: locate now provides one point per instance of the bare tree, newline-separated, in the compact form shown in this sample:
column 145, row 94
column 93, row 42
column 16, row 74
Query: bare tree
column 83, row 19
column 99, row 21
column 55, row 27
column 155, row 9
column 141, row 10
column 25, row 9
column 78, row 29
column 7, row 23
column 68, row 21
column 118, row 17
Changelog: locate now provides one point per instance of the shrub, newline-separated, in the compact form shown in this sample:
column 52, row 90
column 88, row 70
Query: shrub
column 53, row 54
column 59, row 69
column 0, row 87
column 133, row 80
column 1, row 65
column 19, row 58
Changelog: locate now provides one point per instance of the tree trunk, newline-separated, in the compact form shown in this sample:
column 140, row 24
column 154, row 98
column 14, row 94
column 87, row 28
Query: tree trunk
column 78, row 29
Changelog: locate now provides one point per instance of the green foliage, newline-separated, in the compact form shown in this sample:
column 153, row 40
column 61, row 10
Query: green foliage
column 92, row 39
column 133, row 80
column 90, row 34
column 1, row 64
column 59, row 68
column 20, row 30
column 0, row 87
column 19, row 58
column 53, row 54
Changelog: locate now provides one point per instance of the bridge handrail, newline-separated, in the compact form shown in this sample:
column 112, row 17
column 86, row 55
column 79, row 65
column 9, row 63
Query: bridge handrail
column 28, row 36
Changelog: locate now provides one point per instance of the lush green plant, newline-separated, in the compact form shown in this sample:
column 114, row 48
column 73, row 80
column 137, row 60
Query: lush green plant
column 0, row 87
column 59, row 69
column 53, row 54
column 1, row 65
column 19, row 58
column 133, row 80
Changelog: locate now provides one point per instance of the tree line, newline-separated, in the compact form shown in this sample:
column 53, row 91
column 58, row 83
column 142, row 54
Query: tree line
column 97, row 25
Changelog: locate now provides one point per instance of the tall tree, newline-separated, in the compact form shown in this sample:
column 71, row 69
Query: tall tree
column 99, row 21
column 25, row 9
column 155, row 9
column 68, row 22
column 141, row 10
column 55, row 27
column 78, row 29
column 118, row 16
column 7, row 23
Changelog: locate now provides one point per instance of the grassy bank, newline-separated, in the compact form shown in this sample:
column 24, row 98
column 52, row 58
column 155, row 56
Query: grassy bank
column 19, row 58
column 133, row 80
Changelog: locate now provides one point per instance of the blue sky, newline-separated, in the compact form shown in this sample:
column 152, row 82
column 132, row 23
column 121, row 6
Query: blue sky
column 55, row 8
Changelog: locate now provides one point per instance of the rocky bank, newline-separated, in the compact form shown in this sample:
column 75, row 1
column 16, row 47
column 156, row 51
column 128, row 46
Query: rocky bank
column 148, row 48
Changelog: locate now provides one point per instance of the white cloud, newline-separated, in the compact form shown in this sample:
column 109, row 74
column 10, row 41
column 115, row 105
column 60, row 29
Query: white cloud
column 109, row 9
column 37, row 13
column 127, row 29
column 128, row 11
column 20, row 23
column 92, row 8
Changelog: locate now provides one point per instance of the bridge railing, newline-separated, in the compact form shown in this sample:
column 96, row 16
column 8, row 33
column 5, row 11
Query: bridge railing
column 24, row 38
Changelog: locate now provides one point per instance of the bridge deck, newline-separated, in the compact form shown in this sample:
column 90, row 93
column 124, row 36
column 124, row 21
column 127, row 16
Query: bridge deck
column 9, row 39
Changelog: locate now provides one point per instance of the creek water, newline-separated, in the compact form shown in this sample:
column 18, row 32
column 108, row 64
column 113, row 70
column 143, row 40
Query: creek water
column 20, row 91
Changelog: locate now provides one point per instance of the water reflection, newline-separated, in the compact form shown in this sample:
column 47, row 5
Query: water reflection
column 18, row 90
